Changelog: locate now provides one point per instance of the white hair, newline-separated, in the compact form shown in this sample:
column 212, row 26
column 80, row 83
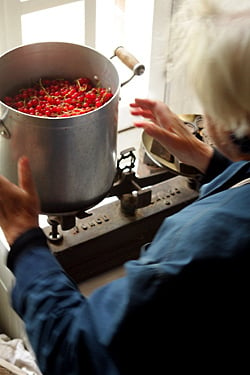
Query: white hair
column 216, row 51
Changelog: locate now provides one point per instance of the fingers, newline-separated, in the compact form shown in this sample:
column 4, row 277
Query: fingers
column 19, row 205
column 144, row 103
column 26, row 183
column 150, row 129
column 165, row 137
column 161, row 115
column 144, row 108
column 5, row 186
column 144, row 113
column 25, row 179
column 7, row 189
column 156, row 111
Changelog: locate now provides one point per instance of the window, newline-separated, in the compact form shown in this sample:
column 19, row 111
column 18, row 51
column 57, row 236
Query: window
column 120, row 22
column 142, row 27
column 60, row 23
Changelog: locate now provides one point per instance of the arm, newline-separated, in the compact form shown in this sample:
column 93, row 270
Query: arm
column 57, row 317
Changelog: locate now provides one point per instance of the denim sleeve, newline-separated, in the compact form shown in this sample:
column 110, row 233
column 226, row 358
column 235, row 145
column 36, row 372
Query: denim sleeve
column 57, row 317
column 217, row 165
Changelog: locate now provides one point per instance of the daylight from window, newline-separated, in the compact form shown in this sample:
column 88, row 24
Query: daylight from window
column 117, row 23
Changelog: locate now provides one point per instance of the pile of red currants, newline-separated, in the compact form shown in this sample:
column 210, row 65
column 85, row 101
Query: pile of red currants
column 59, row 98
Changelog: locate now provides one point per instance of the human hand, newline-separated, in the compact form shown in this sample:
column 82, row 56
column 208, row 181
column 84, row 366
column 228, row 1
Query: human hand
column 19, row 205
column 168, row 129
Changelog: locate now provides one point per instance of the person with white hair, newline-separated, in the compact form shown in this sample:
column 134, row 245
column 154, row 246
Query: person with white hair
column 183, row 305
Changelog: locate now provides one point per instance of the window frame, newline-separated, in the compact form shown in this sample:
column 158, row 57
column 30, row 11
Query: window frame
column 175, row 93
column 11, row 33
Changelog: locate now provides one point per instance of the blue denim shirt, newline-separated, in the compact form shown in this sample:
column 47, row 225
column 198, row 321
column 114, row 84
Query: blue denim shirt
column 182, row 305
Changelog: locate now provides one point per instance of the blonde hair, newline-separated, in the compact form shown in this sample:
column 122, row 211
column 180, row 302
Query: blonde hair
column 216, row 51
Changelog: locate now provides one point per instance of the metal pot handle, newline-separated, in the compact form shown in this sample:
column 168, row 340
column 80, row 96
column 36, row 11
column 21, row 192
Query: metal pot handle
column 4, row 132
column 130, row 61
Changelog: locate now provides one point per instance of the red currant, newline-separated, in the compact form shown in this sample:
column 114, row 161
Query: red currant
column 59, row 97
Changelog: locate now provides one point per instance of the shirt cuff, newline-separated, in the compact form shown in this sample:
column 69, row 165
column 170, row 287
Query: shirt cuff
column 217, row 165
column 33, row 237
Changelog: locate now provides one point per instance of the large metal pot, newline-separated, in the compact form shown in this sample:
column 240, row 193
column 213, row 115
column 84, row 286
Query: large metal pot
column 73, row 159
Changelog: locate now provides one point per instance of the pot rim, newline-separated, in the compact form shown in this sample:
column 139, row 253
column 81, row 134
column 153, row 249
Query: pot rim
column 68, row 44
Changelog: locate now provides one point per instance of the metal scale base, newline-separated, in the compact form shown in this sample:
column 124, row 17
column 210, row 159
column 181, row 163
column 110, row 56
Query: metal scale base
column 108, row 237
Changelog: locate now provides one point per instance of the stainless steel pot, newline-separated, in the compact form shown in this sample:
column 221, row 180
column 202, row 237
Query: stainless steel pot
column 73, row 160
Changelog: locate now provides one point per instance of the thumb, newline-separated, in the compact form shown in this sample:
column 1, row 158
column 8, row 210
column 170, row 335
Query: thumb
column 25, row 179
